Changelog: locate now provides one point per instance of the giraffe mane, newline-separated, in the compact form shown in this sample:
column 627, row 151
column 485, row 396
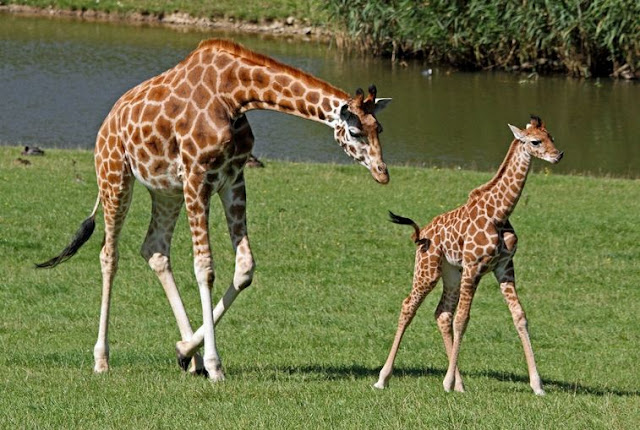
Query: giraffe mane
column 477, row 192
column 263, row 60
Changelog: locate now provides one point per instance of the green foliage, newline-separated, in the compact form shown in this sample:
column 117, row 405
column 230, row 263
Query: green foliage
column 303, row 345
column 580, row 37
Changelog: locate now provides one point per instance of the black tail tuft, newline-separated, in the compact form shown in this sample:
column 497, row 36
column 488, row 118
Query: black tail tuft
column 397, row 219
column 82, row 235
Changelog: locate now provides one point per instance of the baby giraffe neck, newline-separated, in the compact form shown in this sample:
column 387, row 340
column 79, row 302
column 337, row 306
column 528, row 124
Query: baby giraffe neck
column 501, row 194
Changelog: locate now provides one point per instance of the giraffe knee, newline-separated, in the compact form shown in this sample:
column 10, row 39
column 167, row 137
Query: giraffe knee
column 443, row 319
column 460, row 322
column 203, row 267
column 243, row 275
column 158, row 262
column 108, row 259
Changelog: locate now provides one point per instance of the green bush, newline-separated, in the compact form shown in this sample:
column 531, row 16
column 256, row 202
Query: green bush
column 583, row 38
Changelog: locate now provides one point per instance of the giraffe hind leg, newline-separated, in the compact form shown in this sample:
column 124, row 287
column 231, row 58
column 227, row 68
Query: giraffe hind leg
column 425, row 277
column 116, row 198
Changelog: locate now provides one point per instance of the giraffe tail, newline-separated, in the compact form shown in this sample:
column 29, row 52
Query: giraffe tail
column 397, row 219
column 82, row 235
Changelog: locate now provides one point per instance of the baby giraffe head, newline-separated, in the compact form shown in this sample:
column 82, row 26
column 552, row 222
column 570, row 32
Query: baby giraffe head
column 357, row 131
column 537, row 141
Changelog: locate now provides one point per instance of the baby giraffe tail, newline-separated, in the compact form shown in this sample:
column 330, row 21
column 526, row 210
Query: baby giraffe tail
column 82, row 235
column 416, row 234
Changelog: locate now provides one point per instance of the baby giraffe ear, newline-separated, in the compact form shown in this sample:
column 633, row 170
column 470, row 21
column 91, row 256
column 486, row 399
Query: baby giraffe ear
column 517, row 133
column 381, row 104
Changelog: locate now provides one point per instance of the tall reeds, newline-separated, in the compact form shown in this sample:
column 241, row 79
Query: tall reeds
column 579, row 37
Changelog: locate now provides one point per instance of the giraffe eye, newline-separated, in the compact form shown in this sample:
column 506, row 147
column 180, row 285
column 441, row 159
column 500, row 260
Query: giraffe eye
column 535, row 142
column 355, row 132
column 380, row 129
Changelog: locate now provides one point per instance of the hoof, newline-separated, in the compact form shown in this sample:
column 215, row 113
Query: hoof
column 101, row 366
column 197, row 366
column 183, row 361
column 216, row 376
column 447, row 387
column 539, row 392
column 380, row 385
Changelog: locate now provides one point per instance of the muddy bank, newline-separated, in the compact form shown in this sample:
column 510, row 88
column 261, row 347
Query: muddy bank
column 290, row 27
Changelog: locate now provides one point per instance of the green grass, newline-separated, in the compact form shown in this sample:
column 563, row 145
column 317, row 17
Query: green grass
column 303, row 345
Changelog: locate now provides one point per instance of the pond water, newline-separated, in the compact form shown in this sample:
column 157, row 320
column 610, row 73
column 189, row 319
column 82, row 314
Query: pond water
column 59, row 79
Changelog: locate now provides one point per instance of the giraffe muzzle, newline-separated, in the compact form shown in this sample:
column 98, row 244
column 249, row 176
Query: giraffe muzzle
column 380, row 173
column 559, row 157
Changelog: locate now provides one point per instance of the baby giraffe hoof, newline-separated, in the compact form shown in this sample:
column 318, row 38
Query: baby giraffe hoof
column 101, row 366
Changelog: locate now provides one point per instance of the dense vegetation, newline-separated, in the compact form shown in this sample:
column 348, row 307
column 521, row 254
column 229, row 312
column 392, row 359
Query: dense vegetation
column 580, row 37
column 303, row 345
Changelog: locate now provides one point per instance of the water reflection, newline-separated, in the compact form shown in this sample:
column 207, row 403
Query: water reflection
column 59, row 79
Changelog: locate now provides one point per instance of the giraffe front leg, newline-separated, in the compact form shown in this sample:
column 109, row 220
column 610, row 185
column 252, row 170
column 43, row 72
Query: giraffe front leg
column 156, row 251
column 197, row 196
column 506, row 278
column 233, row 200
column 468, row 287
column 445, row 311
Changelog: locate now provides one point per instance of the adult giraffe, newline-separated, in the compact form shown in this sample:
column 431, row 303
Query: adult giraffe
column 185, row 136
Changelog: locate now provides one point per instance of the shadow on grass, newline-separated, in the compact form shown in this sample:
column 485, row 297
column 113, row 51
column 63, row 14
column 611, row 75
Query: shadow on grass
column 361, row 372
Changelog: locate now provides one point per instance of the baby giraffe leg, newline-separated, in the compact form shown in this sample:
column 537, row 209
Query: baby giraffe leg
column 506, row 278
column 425, row 278
column 445, row 311
column 468, row 287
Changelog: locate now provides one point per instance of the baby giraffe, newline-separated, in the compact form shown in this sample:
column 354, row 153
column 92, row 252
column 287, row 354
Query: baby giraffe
column 466, row 243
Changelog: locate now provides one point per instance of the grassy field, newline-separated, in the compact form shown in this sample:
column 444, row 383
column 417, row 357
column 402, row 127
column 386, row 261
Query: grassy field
column 304, row 344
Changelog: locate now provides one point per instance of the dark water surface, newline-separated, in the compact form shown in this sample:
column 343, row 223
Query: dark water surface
column 59, row 79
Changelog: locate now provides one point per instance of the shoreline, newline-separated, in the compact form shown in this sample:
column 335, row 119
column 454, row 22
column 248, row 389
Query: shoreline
column 290, row 27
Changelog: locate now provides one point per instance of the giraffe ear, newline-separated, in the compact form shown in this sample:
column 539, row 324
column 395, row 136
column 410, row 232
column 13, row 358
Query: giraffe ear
column 381, row 104
column 517, row 133
column 344, row 112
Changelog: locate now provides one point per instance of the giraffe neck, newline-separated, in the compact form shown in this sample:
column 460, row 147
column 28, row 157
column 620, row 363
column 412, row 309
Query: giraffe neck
column 247, row 80
column 298, row 94
column 501, row 194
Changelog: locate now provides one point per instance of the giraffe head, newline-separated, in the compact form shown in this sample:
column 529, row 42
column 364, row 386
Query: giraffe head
column 537, row 141
column 357, row 130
